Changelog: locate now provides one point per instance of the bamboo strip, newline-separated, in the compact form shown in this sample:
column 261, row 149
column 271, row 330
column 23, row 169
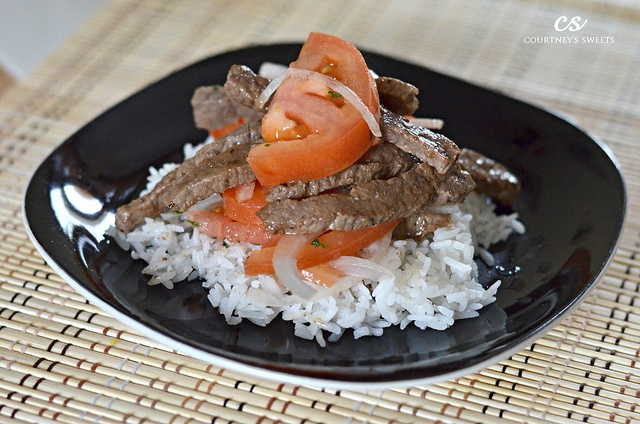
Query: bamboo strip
column 10, row 255
column 480, row 397
column 287, row 405
column 42, row 301
column 470, row 402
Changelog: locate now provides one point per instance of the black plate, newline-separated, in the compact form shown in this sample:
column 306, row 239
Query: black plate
column 573, row 205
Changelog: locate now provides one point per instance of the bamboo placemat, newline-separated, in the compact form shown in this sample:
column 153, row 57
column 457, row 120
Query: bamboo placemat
column 64, row 360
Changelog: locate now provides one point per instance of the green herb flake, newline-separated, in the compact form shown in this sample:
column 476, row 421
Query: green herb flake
column 267, row 144
column 193, row 223
column 334, row 95
column 317, row 243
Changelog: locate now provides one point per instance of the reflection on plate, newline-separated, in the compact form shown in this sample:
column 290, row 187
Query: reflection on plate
column 573, row 204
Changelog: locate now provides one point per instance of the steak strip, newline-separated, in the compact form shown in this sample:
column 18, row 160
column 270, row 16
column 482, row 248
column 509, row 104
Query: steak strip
column 244, row 87
column 419, row 226
column 428, row 146
column 213, row 109
column 368, row 204
column 381, row 161
column 492, row 178
column 130, row 215
column 399, row 179
column 246, row 134
column 213, row 175
column 398, row 96
column 152, row 204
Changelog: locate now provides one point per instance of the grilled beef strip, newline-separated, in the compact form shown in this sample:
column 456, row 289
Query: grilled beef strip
column 428, row 146
column 381, row 161
column 213, row 175
column 130, row 215
column 246, row 134
column 492, row 178
column 213, row 108
column 398, row 96
column 152, row 204
column 244, row 87
column 420, row 225
column 421, row 187
column 368, row 204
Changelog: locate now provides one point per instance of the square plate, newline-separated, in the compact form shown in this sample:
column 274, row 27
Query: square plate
column 573, row 204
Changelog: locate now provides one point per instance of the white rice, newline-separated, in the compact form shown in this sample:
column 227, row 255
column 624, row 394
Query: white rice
column 429, row 284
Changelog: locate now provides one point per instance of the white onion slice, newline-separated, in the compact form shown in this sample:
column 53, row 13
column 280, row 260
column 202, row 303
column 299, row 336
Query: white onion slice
column 245, row 191
column 272, row 70
column 333, row 84
column 362, row 268
column 428, row 123
column 376, row 250
column 443, row 209
column 285, row 264
column 266, row 94
column 269, row 299
column 342, row 284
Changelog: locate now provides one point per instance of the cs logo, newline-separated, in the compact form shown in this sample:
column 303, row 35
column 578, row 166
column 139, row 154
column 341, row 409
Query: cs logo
column 574, row 24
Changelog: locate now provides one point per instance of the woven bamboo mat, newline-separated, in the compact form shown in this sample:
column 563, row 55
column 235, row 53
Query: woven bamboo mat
column 64, row 360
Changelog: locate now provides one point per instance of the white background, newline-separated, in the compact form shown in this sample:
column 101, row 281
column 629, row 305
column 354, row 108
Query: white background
column 30, row 30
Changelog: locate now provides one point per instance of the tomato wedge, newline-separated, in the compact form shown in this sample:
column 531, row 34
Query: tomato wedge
column 242, row 209
column 310, row 131
column 215, row 224
column 327, row 247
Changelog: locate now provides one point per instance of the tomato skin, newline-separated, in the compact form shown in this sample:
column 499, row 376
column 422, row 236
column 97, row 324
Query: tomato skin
column 310, row 132
column 329, row 246
column 215, row 224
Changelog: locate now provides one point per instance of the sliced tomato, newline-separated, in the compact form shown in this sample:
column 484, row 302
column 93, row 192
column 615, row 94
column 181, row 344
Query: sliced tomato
column 327, row 247
column 310, row 132
column 214, row 223
column 218, row 133
column 242, row 202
